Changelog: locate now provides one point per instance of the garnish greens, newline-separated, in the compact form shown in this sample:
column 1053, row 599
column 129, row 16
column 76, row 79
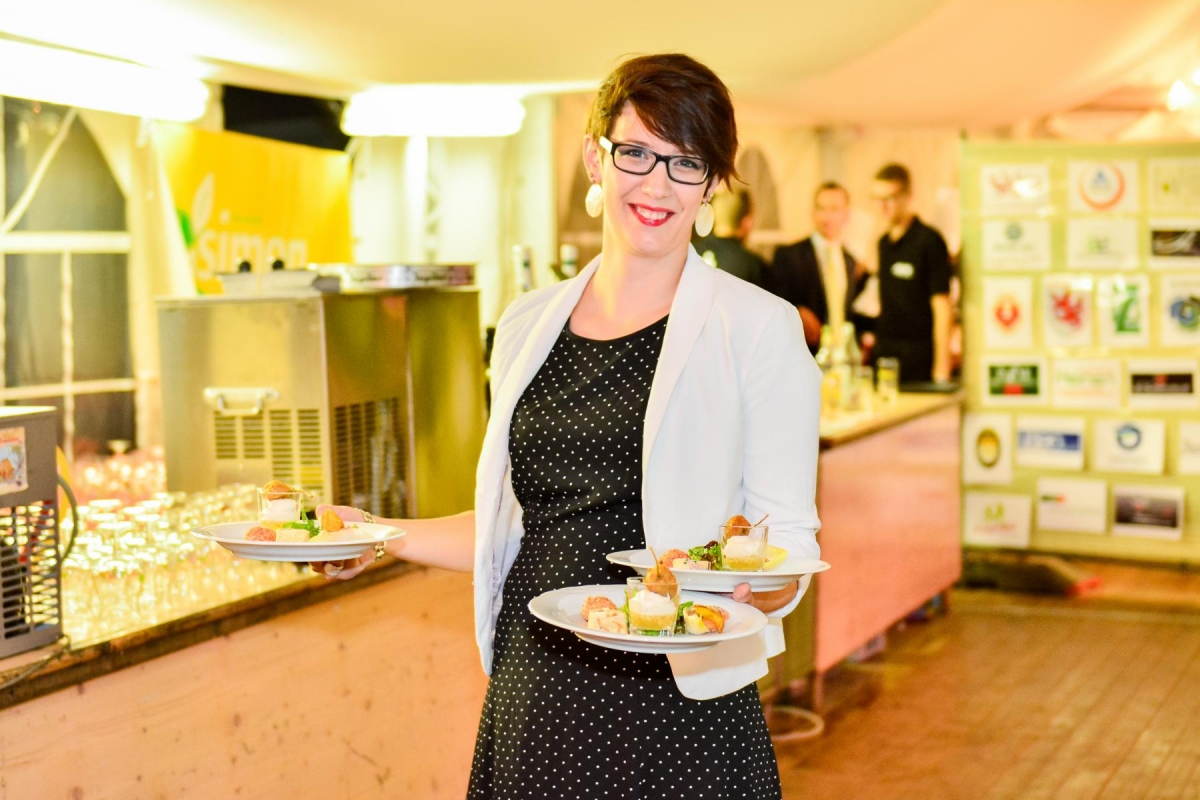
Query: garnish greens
column 311, row 525
column 710, row 552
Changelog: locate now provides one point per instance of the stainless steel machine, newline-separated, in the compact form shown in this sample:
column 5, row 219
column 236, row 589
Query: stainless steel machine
column 363, row 391
column 30, row 568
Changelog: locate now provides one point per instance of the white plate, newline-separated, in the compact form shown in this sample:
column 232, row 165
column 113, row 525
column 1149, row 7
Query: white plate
column 706, row 580
column 562, row 608
column 231, row 536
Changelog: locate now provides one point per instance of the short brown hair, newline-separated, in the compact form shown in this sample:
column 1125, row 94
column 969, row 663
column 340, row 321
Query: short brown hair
column 895, row 173
column 831, row 186
column 680, row 100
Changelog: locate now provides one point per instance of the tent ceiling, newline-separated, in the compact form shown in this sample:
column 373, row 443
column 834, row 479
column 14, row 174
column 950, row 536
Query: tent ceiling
column 962, row 62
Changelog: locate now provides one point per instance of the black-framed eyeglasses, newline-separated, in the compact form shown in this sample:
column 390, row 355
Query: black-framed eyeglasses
column 638, row 160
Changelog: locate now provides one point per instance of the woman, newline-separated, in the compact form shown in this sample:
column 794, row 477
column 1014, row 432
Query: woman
column 642, row 402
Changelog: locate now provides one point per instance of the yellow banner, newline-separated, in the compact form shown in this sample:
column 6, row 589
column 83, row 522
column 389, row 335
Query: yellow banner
column 244, row 199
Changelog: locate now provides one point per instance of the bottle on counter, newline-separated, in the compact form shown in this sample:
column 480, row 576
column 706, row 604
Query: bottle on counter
column 832, row 361
column 522, row 261
column 859, row 386
column 568, row 257
column 824, row 351
column 850, row 342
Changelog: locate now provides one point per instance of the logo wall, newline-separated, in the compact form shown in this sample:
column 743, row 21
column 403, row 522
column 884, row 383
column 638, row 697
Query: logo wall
column 246, row 199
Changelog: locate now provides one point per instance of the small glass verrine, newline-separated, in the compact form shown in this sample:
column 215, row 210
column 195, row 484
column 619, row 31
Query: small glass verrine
column 743, row 547
column 650, row 612
column 887, row 379
column 276, row 508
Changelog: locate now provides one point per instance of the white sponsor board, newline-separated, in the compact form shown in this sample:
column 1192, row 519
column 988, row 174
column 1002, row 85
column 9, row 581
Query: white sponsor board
column 1016, row 244
column 1049, row 442
column 1078, row 505
column 987, row 449
column 1102, row 243
column 997, row 520
column 1087, row 383
column 1154, row 512
column 1008, row 313
column 1129, row 445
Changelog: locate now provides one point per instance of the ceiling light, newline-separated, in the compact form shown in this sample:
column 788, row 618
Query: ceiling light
column 1180, row 96
column 434, row 110
column 74, row 79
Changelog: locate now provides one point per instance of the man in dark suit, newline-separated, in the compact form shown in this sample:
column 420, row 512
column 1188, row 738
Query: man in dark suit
column 817, row 274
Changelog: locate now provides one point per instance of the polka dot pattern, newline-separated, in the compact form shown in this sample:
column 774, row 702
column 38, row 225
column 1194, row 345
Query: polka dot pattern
column 565, row 719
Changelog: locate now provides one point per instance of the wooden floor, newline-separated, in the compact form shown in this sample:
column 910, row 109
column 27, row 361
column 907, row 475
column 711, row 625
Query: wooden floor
column 1014, row 697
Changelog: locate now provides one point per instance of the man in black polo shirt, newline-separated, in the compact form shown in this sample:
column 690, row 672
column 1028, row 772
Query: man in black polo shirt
column 725, row 248
column 914, row 285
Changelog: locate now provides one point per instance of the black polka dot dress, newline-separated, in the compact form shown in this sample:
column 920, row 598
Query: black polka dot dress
column 563, row 718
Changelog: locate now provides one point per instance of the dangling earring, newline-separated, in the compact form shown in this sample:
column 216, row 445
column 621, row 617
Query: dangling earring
column 704, row 219
column 594, row 202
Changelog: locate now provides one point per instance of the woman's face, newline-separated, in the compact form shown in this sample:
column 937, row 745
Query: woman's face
column 649, row 215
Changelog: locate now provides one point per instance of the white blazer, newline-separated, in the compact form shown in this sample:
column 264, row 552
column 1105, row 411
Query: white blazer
column 731, row 428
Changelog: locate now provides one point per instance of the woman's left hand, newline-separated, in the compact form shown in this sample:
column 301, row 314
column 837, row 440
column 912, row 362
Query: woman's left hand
column 765, row 602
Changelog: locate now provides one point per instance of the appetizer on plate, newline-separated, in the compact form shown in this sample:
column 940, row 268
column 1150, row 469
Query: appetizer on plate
column 652, row 608
column 602, row 614
column 283, row 522
column 739, row 553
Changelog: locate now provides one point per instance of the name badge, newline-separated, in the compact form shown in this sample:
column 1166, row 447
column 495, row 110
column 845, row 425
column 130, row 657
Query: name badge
column 902, row 269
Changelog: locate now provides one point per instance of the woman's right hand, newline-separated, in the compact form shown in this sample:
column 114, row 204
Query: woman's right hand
column 342, row 570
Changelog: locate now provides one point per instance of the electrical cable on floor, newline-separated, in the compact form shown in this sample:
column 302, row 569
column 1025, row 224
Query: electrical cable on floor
column 66, row 487
column 815, row 729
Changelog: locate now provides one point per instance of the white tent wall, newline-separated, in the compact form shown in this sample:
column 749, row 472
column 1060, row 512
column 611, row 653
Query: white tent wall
column 461, row 200
column 792, row 154
column 158, row 263
column 387, row 199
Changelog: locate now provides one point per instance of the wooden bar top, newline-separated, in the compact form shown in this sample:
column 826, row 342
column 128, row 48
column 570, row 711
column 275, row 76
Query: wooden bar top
column 843, row 430
column 73, row 666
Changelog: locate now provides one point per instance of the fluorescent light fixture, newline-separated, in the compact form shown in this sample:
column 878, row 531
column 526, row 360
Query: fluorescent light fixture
column 75, row 79
column 434, row 110
column 1180, row 96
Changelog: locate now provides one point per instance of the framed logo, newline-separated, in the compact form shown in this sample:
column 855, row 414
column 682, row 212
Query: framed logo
column 1103, row 186
column 1013, row 381
column 1067, row 311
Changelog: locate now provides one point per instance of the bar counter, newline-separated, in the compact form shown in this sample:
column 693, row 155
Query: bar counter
column 888, row 498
